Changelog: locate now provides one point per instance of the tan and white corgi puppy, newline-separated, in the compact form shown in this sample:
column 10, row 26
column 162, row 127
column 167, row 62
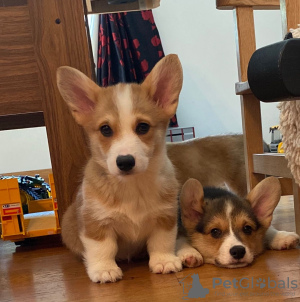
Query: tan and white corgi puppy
column 226, row 230
column 128, row 197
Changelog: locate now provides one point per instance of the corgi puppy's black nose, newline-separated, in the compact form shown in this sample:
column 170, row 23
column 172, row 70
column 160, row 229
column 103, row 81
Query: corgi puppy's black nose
column 125, row 162
column 237, row 252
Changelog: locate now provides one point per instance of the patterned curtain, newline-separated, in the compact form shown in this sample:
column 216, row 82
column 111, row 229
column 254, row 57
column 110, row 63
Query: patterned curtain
column 129, row 47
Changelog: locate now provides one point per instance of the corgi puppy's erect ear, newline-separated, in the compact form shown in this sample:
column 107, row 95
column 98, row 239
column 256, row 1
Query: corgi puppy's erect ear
column 264, row 199
column 164, row 83
column 191, row 203
column 79, row 92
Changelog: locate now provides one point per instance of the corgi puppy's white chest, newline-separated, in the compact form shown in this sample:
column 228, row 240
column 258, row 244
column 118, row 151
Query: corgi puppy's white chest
column 138, row 203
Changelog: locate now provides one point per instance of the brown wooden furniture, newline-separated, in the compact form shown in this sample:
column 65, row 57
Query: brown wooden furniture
column 258, row 164
column 38, row 36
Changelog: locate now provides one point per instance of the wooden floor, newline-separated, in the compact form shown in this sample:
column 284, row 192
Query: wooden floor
column 47, row 271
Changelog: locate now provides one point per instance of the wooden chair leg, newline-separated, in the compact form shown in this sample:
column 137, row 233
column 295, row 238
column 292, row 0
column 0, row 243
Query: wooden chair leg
column 253, row 141
column 286, row 186
column 251, row 117
column 296, row 190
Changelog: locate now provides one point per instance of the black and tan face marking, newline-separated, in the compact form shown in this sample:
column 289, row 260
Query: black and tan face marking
column 227, row 230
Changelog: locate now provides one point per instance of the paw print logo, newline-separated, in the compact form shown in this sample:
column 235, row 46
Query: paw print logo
column 260, row 283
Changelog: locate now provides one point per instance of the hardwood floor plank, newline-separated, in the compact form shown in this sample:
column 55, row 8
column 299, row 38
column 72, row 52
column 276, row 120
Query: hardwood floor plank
column 47, row 271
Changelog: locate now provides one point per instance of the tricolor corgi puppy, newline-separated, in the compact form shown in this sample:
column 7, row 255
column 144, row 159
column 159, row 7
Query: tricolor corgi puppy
column 227, row 230
column 128, row 197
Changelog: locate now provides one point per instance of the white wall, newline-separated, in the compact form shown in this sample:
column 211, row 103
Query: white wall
column 204, row 39
column 94, row 33
column 24, row 149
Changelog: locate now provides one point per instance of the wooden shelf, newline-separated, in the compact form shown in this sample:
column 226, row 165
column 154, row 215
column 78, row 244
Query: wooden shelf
column 271, row 164
column 102, row 6
column 256, row 4
column 20, row 121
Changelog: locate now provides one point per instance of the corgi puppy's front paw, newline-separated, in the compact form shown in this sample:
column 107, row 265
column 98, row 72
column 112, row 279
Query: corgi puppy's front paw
column 104, row 273
column 284, row 241
column 165, row 264
column 190, row 257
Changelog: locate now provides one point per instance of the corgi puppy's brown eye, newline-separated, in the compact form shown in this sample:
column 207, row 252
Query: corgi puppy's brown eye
column 216, row 233
column 106, row 131
column 247, row 229
column 142, row 128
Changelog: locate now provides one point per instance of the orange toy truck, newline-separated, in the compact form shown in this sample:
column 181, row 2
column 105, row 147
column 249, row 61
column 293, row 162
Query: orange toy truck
column 41, row 220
